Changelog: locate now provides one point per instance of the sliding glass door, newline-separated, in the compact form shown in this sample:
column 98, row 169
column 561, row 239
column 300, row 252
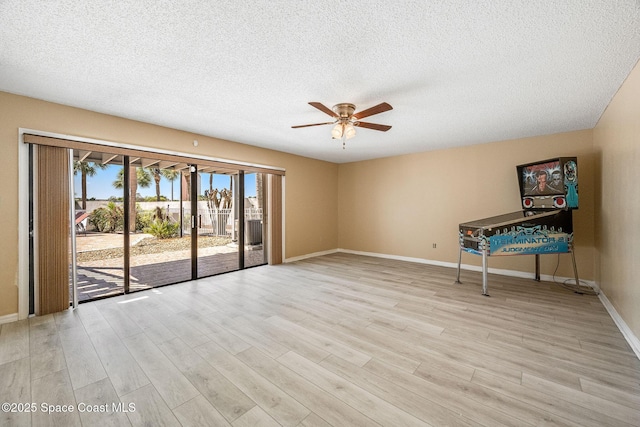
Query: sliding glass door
column 160, row 224
column 98, row 223
column 138, row 221
column 255, row 219
column 217, row 225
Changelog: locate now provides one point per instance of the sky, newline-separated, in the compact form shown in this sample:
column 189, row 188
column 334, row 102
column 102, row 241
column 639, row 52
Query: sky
column 101, row 186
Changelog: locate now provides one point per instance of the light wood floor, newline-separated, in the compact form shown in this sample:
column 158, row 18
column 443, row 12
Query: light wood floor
column 340, row 340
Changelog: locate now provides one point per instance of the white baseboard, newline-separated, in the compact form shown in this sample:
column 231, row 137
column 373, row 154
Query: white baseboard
column 312, row 255
column 8, row 318
column 628, row 334
column 398, row 258
column 469, row 267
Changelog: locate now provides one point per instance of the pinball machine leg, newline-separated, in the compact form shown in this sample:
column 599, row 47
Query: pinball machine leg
column 459, row 262
column 484, row 272
column 537, row 278
column 575, row 268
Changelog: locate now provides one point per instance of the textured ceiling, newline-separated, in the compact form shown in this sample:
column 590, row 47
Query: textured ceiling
column 456, row 72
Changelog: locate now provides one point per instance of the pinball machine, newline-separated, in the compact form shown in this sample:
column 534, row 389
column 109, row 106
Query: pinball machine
column 549, row 194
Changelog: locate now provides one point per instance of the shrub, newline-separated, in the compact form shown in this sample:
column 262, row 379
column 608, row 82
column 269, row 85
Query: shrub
column 158, row 214
column 143, row 220
column 108, row 219
column 163, row 229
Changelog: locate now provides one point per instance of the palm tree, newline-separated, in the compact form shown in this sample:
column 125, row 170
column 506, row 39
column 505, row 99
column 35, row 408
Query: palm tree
column 157, row 176
column 142, row 178
column 171, row 175
column 86, row 169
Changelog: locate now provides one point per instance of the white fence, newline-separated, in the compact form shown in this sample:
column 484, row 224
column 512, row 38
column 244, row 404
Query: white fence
column 218, row 222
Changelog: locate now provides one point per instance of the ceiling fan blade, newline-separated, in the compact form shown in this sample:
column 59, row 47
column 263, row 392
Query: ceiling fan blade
column 314, row 124
column 373, row 126
column 324, row 109
column 380, row 108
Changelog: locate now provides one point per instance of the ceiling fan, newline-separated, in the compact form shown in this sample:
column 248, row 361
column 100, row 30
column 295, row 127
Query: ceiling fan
column 346, row 120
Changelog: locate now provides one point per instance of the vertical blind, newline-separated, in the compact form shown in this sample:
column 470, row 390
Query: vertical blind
column 275, row 215
column 53, row 229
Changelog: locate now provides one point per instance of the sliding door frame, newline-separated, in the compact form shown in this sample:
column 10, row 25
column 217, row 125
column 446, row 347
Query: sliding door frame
column 72, row 230
column 239, row 208
column 193, row 196
column 126, row 223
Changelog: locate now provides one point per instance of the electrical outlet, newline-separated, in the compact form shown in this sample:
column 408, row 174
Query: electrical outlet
column 434, row 246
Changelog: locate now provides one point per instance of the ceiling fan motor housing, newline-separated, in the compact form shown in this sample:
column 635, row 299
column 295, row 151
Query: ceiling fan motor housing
column 344, row 110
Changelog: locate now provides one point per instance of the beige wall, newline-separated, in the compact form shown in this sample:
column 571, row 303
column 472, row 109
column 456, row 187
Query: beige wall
column 403, row 205
column 310, row 185
column 617, row 208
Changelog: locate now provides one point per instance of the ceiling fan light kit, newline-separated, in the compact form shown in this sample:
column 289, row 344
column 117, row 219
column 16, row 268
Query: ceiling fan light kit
column 336, row 132
column 346, row 121
column 343, row 130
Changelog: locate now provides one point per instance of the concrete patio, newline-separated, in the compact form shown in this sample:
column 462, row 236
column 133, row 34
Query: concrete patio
column 105, row 277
